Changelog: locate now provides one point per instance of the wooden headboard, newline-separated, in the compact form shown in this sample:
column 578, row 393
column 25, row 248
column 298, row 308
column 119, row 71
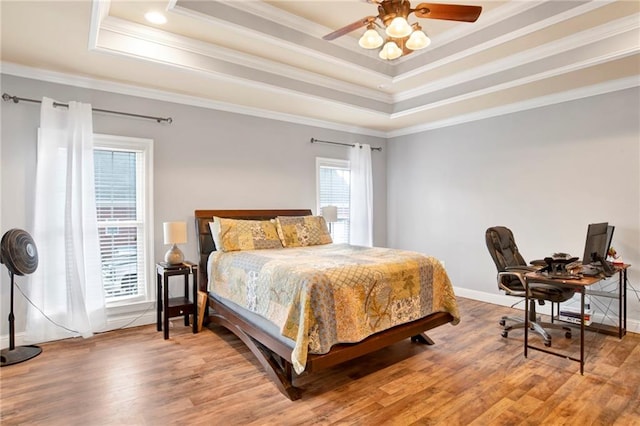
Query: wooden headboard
column 205, row 240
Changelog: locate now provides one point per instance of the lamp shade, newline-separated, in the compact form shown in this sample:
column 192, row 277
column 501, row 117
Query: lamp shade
column 330, row 213
column 390, row 51
column 398, row 28
column 418, row 40
column 175, row 232
column 370, row 39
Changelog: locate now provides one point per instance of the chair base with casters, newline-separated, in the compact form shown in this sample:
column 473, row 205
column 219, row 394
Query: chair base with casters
column 535, row 324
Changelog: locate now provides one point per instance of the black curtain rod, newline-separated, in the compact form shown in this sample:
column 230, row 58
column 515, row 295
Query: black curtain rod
column 15, row 99
column 373, row 148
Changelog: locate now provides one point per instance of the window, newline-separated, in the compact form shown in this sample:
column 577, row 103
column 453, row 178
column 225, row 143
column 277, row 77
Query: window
column 333, row 190
column 123, row 180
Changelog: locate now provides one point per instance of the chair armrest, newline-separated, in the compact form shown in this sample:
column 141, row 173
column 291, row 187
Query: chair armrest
column 521, row 268
column 517, row 274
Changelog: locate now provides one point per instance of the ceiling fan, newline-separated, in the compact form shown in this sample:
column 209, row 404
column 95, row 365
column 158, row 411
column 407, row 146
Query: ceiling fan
column 403, row 38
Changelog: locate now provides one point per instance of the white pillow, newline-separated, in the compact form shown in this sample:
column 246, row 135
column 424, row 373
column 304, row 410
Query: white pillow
column 215, row 232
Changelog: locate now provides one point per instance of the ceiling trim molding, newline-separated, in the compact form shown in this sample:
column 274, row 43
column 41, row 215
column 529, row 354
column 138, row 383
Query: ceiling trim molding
column 165, row 96
column 114, row 42
column 267, row 67
column 495, row 41
column 260, row 65
column 99, row 11
column 281, row 17
column 519, row 82
column 304, row 50
column 542, row 101
column 485, row 20
column 574, row 41
column 130, row 90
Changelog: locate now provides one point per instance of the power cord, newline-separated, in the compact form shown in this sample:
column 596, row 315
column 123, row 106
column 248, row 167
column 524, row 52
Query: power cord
column 43, row 314
column 75, row 331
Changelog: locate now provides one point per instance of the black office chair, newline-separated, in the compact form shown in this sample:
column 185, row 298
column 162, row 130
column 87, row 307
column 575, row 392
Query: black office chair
column 511, row 269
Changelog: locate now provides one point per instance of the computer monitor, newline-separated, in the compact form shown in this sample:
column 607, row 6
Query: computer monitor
column 596, row 246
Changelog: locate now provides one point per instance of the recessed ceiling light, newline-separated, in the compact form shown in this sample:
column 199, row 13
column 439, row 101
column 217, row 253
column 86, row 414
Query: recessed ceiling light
column 155, row 17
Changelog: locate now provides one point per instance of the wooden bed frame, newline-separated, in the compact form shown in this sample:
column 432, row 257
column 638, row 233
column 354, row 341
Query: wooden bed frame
column 274, row 355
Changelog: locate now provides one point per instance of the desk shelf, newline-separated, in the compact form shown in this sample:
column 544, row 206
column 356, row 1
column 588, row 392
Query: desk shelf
column 611, row 330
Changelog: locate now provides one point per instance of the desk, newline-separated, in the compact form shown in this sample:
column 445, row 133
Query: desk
column 580, row 286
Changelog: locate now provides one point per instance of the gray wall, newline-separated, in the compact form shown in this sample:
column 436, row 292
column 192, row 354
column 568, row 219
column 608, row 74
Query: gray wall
column 206, row 159
column 545, row 173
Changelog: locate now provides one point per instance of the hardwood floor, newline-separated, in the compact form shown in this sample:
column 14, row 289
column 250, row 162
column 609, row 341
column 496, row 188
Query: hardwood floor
column 470, row 376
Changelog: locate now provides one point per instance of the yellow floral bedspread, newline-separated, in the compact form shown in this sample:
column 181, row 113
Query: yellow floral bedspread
column 322, row 295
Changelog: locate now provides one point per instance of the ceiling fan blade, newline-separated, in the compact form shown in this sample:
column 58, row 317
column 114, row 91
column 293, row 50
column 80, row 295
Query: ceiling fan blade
column 351, row 27
column 449, row 12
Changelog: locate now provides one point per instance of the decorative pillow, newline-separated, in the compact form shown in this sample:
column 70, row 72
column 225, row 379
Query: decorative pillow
column 301, row 231
column 236, row 234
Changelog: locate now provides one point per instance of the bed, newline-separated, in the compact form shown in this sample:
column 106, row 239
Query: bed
column 281, row 344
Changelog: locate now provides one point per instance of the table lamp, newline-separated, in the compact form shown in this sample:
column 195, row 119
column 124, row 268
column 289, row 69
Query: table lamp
column 174, row 233
column 330, row 214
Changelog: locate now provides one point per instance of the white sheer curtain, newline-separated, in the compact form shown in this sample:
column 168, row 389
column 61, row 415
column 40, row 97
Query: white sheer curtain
column 67, row 286
column 361, row 202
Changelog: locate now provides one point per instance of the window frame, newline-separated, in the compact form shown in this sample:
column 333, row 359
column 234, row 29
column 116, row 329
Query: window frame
column 330, row 162
column 145, row 182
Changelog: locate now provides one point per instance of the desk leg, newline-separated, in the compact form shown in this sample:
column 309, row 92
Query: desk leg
column 622, row 303
column 159, row 302
column 526, row 318
column 624, row 332
column 582, row 292
column 165, row 291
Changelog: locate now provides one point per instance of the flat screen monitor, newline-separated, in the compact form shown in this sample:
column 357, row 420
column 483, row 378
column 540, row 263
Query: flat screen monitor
column 596, row 246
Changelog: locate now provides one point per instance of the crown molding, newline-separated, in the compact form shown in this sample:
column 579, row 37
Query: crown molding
column 265, row 67
column 507, row 37
column 574, row 41
column 322, row 50
column 130, row 90
column 165, row 96
column 542, row 101
column 259, row 65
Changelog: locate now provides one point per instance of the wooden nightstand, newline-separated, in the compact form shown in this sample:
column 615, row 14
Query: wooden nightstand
column 176, row 306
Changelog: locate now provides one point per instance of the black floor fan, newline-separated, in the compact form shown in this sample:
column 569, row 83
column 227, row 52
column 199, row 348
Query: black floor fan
column 19, row 254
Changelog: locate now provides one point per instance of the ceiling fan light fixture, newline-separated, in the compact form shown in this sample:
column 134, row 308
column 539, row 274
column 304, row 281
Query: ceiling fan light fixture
column 398, row 28
column 390, row 51
column 370, row 39
column 418, row 40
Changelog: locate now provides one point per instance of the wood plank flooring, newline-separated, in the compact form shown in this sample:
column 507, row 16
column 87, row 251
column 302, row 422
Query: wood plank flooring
column 471, row 376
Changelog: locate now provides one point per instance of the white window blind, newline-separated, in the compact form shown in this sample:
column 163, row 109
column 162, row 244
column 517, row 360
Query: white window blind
column 122, row 192
column 333, row 177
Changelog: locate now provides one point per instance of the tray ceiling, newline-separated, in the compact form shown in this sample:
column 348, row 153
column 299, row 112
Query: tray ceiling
column 268, row 58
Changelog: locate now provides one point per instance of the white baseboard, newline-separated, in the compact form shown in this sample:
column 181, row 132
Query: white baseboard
column 633, row 325
column 120, row 321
